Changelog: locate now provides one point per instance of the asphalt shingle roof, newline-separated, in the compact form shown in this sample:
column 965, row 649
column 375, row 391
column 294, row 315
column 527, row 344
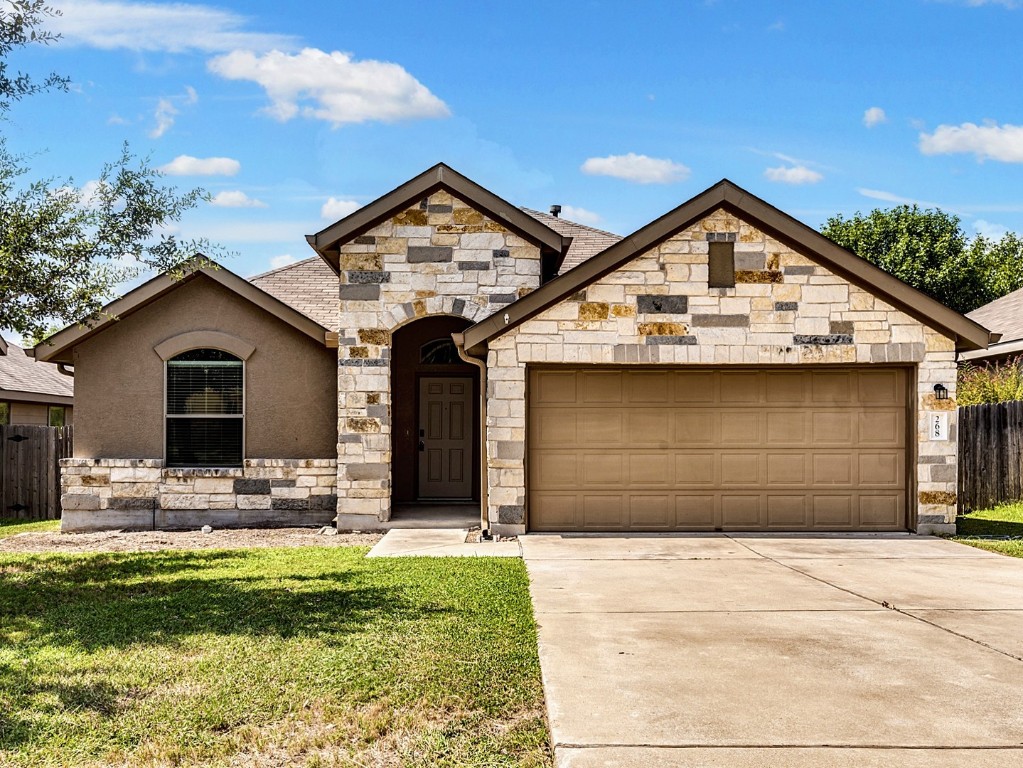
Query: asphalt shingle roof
column 21, row 373
column 311, row 287
column 1004, row 316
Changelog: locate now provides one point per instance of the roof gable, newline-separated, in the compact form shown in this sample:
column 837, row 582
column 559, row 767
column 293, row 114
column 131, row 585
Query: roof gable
column 327, row 242
column 57, row 348
column 20, row 373
column 726, row 195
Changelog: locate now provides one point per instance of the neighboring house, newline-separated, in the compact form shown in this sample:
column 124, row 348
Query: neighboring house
column 724, row 367
column 1004, row 317
column 32, row 392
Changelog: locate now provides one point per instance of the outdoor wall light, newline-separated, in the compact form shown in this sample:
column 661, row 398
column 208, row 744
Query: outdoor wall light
column 940, row 392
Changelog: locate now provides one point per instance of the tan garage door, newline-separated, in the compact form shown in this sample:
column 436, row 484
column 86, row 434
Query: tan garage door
column 700, row 449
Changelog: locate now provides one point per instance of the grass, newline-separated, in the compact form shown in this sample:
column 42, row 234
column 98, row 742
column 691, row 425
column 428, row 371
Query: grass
column 307, row 657
column 1004, row 520
column 10, row 527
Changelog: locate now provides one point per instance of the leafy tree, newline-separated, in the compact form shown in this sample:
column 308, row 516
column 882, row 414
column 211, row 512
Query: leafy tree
column 64, row 248
column 929, row 250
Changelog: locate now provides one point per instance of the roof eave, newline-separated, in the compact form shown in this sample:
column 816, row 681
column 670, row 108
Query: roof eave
column 57, row 348
column 327, row 241
column 966, row 333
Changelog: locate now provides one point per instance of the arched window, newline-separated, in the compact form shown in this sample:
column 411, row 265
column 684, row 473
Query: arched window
column 205, row 409
column 439, row 352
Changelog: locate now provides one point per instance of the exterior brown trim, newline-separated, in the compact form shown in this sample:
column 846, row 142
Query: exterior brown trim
column 183, row 342
column 57, row 348
column 725, row 194
column 3, row 346
column 19, row 396
column 996, row 350
column 327, row 242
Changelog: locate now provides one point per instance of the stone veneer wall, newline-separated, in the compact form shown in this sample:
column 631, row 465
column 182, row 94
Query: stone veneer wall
column 784, row 309
column 142, row 493
column 439, row 257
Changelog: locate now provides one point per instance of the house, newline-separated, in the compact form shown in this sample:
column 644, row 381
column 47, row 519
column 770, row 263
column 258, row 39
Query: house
column 1004, row 316
column 31, row 393
column 724, row 367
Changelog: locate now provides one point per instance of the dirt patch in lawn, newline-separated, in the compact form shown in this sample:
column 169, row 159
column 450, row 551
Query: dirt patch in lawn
column 153, row 541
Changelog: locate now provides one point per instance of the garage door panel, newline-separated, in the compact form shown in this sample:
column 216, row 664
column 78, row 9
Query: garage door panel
column 743, row 449
column 740, row 469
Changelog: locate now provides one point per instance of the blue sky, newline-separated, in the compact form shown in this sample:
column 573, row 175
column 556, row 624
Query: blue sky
column 293, row 114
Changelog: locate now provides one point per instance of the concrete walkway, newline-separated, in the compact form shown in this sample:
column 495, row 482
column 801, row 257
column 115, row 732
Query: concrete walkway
column 755, row 651
column 439, row 542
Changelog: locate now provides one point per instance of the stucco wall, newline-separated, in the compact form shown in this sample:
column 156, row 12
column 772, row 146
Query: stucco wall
column 36, row 413
column 784, row 309
column 439, row 257
column 290, row 380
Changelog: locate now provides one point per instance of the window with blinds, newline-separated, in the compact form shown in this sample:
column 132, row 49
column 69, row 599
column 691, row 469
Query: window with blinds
column 205, row 409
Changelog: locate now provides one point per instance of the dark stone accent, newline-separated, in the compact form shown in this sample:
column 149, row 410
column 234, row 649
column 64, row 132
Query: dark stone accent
column 511, row 514
column 327, row 501
column 130, row 503
column 502, row 253
column 363, row 362
column 501, row 298
column 943, row 473
column 831, row 338
column 800, row 270
column 931, row 460
column 369, row 277
column 293, row 505
column 438, row 208
column 841, row 327
column 930, row 520
column 786, row 306
column 367, row 471
column 282, row 483
column 421, row 254
column 458, row 306
column 720, row 321
column 252, row 486
column 683, row 340
column 467, row 266
column 750, row 262
column 365, row 240
column 722, row 237
column 348, row 437
column 424, row 204
column 511, row 449
column 662, row 305
column 377, row 411
column 578, row 296
column 360, row 293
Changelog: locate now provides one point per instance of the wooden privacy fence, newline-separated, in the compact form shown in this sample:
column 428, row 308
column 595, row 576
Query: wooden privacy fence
column 30, row 470
column 990, row 455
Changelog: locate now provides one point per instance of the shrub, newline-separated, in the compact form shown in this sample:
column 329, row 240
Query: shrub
column 992, row 383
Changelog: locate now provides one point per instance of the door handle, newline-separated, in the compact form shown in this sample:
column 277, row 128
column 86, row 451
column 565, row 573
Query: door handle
column 422, row 445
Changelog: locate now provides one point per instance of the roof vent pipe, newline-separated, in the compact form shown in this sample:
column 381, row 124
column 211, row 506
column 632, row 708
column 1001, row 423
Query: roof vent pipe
column 555, row 211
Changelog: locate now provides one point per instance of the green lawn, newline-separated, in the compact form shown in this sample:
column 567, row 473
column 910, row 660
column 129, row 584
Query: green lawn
column 1003, row 520
column 307, row 657
column 9, row 527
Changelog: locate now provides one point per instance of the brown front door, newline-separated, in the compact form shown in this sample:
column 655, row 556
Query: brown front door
column 445, row 438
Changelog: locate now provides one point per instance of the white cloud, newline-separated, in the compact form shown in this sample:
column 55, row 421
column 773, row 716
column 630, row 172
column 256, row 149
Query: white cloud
column 332, row 86
column 1010, row 4
column 172, row 27
column 116, row 119
column 796, row 174
column 186, row 165
column 778, row 26
column 874, row 116
column 891, row 197
column 336, row 208
column 166, row 111
column 636, row 168
column 989, row 141
column 989, row 229
column 283, row 260
column 580, row 215
column 235, row 198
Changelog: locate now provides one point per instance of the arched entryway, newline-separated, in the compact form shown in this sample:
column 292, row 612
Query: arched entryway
column 436, row 415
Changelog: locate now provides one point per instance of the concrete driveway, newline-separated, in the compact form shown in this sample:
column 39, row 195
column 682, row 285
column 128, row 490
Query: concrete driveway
column 749, row 651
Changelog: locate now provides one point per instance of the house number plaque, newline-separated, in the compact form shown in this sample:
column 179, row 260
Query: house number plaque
column 938, row 426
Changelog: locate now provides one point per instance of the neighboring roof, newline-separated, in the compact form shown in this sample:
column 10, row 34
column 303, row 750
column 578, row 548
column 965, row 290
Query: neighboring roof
column 1003, row 316
column 57, row 348
column 586, row 241
column 21, row 374
column 328, row 241
column 725, row 194
column 310, row 286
